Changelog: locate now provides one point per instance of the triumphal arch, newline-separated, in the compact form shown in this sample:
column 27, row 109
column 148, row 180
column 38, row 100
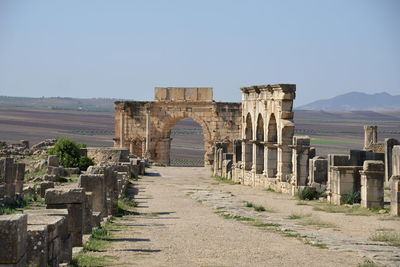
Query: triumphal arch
column 145, row 127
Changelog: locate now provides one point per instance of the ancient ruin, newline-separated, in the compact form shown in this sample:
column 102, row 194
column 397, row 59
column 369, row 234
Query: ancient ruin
column 145, row 127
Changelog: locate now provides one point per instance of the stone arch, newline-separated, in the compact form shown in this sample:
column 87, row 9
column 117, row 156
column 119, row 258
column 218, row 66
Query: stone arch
column 260, row 144
column 249, row 127
column 248, row 155
column 163, row 146
column 272, row 151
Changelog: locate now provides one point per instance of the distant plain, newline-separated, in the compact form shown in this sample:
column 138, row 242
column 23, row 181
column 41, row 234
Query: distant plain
column 330, row 131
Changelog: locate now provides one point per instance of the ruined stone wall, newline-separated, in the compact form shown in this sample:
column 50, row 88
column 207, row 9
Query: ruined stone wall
column 267, row 131
column 145, row 127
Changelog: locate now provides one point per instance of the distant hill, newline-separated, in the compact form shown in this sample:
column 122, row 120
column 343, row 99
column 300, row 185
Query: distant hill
column 59, row 103
column 356, row 101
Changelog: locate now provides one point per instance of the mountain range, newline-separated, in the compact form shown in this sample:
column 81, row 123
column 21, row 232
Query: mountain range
column 356, row 101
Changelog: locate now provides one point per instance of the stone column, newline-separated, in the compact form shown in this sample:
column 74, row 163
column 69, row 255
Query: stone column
column 395, row 196
column 372, row 184
column 370, row 135
column 147, row 151
column 301, row 148
column 122, row 128
column 389, row 144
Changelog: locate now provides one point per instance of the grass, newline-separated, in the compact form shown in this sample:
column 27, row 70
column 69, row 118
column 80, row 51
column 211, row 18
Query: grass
column 99, row 239
column 388, row 236
column 32, row 175
column 85, row 260
column 296, row 216
column 6, row 211
column 302, row 203
column 258, row 208
column 269, row 189
column 223, row 180
column 126, row 206
column 368, row 263
column 352, row 211
column 314, row 221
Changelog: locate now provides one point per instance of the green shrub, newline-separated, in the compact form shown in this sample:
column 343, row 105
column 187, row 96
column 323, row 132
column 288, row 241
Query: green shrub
column 84, row 163
column 351, row 198
column 308, row 193
column 69, row 153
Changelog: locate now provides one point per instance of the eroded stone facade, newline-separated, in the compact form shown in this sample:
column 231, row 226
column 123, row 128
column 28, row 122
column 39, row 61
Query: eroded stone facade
column 145, row 127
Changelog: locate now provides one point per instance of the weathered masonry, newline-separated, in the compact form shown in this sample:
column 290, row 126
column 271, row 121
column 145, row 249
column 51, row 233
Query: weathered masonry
column 145, row 127
column 267, row 129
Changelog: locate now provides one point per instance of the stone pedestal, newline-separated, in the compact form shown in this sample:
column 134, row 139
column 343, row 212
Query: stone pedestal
column 74, row 201
column 372, row 184
column 95, row 183
column 13, row 240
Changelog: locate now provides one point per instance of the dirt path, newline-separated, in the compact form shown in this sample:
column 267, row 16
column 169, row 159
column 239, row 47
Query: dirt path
column 173, row 229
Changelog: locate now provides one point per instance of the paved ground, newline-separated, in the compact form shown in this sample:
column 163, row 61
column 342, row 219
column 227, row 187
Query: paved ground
column 185, row 219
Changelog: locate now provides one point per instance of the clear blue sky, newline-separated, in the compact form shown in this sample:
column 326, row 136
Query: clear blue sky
column 123, row 49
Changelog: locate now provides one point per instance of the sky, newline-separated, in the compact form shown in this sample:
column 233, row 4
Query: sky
column 123, row 49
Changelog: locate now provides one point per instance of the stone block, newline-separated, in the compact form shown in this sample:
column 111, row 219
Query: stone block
column 372, row 184
column 65, row 196
column 96, row 219
column 53, row 161
column 13, row 239
column 37, row 248
column 95, row 183
column 396, row 160
column 57, row 171
column 87, row 213
column 64, row 232
column 44, row 186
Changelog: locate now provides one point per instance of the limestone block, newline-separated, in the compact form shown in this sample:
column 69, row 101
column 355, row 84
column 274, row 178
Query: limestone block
column 37, row 248
column 53, row 161
column 7, row 170
column 63, row 231
column 44, row 186
column 57, row 171
column 372, row 184
column 95, row 183
column 64, row 196
column 87, row 214
column 95, row 169
column 13, row 239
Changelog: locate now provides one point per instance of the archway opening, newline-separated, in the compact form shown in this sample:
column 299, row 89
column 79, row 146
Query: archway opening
column 187, row 144
column 272, row 159
column 248, row 162
column 260, row 145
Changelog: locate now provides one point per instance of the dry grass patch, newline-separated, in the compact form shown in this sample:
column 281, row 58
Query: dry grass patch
column 296, row 216
column 317, row 222
column 388, row 236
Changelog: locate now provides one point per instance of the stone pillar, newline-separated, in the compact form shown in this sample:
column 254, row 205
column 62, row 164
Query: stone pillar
column 147, row 131
column 389, row 144
column 301, row 148
column 271, row 160
column 19, row 177
column 74, row 201
column 318, row 171
column 13, row 240
column 122, row 128
column 395, row 196
column 95, row 183
column 372, row 184
column 370, row 135
column 396, row 161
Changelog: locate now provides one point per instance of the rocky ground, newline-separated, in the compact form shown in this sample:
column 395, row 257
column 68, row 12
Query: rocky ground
column 186, row 218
